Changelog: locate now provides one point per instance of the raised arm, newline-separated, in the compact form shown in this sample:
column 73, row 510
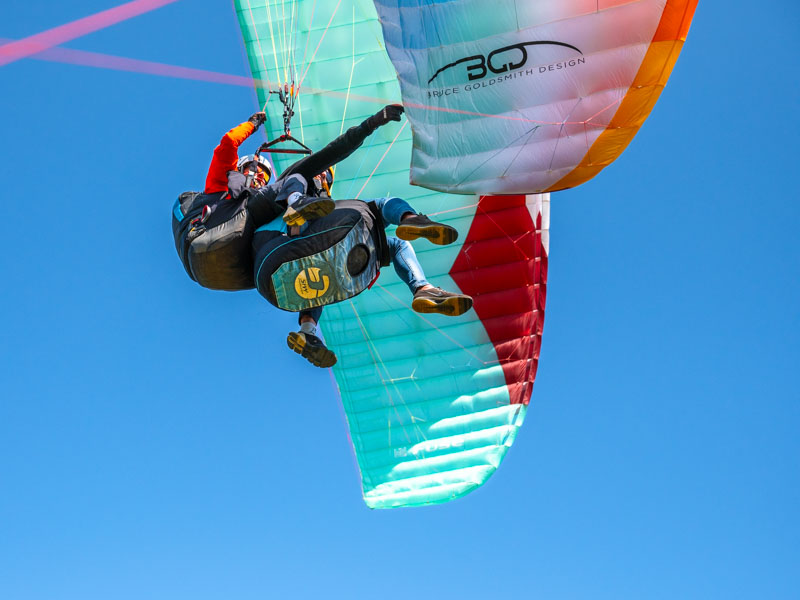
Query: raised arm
column 226, row 154
column 344, row 145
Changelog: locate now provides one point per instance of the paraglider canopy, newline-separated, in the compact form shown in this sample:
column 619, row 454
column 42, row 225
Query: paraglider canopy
column 433, row 406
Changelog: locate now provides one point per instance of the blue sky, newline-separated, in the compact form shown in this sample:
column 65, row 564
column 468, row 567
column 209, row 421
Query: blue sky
column 158, row 440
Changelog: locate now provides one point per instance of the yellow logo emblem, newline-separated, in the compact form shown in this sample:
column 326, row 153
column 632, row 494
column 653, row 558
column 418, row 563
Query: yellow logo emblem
column 309, row 284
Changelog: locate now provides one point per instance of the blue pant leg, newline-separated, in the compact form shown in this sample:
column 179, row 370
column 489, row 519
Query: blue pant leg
column 314, row 313
column 406, row 264
column 393, row 209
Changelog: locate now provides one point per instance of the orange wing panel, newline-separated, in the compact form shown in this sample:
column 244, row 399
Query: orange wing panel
column 641, row 96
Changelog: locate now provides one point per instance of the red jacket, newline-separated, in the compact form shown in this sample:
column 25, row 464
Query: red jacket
column 226, row 156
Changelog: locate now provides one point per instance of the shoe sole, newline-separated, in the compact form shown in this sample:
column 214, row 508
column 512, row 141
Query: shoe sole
column 440, row 235
column 452, row 307
column 317, row 210
column 319, row 357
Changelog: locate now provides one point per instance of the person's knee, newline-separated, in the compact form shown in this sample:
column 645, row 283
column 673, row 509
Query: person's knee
column 390, row 207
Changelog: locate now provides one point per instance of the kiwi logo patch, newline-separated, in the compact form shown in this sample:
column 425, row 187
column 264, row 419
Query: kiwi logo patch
column 311, row 283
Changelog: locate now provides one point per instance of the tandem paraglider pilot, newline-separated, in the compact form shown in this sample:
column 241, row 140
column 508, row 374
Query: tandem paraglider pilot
column 287, row 238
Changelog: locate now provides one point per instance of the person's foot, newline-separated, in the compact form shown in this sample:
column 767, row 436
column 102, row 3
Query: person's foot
column 436, row 300
column 311, row 348
column 417, row 226
column 307, row 208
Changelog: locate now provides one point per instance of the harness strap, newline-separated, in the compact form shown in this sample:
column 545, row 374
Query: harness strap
column 384, row 257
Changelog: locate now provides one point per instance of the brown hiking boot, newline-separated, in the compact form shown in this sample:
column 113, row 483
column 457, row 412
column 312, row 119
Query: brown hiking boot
column 311, row 348
column 436, row 300
column 420, row 226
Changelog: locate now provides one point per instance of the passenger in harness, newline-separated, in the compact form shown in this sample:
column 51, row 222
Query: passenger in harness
column 316, row 281
column 305, row 234
column 213, row 230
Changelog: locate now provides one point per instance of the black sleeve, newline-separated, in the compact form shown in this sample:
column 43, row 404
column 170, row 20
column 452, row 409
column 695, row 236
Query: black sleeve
column 262, row 206
column 339, row 149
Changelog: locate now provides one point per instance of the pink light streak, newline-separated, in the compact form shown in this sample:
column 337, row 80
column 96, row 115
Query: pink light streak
column 42, row 46
column 14, row 51
column 132, row 65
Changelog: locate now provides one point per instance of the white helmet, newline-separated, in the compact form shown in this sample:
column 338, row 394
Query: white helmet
column 246, row 161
